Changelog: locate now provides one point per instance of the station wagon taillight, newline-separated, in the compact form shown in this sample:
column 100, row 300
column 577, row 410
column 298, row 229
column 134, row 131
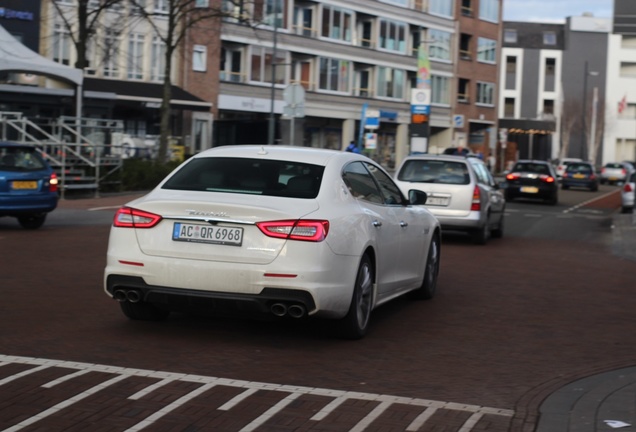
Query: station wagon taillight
column 513, row 176
column 546, row 178
column 127, row 217
column 475, row 205
column 627, row 188
column 53, row 183
column 305, row 230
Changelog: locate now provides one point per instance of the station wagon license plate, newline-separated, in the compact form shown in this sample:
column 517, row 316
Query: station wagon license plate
column 579, row 176
column 437, row 201
column 25, row 185
column 529, row 189
column 231, row 236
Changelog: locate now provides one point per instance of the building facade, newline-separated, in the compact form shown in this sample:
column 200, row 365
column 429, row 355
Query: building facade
column 475, row 118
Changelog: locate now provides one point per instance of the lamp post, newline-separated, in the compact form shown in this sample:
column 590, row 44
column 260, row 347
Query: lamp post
column 272, row 117
column 584, row 114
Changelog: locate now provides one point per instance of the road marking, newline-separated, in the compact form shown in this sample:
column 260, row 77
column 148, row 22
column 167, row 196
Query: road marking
column 339, row 396
column 584, row 203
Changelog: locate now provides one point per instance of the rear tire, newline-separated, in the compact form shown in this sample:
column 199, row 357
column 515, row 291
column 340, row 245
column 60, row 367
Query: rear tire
column 499, row 231
column 143, row 311
column 356, row 323
column 429, row 283
column 481, row 235
column 32, row 221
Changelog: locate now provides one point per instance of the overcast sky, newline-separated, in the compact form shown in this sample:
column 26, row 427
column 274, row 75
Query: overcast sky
column 554, row 11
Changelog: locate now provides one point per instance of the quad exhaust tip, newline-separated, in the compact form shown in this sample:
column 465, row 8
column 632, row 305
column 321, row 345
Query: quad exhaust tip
column 293, row 310
column 133, row 296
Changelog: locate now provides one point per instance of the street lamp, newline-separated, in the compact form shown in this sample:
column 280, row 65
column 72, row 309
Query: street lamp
column 584, row 114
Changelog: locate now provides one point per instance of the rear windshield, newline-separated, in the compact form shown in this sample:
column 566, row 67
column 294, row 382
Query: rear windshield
column 248, row 176
column 579, row 167
column 434, row 171
column 614, row 165
column 532, row 168
column 20, row 159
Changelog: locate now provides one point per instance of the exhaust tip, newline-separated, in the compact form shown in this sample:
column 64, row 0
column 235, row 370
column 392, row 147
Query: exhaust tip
column 119, row 295
column 279, row 309
column 133, row 296
column 296, row 311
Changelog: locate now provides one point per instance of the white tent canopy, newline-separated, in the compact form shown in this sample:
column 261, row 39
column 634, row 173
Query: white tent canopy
column 15, row 57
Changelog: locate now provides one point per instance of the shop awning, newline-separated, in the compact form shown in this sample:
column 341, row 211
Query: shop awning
column 149, row 94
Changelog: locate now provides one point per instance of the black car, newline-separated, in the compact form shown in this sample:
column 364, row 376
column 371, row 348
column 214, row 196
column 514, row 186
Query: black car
column 533, row 179
column 580, row 175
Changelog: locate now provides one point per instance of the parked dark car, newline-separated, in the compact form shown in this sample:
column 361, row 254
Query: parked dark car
column 28, row 185
column 532, row 179
column 580, row 175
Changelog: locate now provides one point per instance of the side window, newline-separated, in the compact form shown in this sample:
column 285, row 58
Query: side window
column 390, row 191
column 361, row 184
column 483, row 176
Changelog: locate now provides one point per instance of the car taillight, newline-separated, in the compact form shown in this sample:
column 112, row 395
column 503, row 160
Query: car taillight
column 624, row 171
column 627, row 188
column 592, row 176
column 513, row 176
column 305, row 230
column 53, row 183
column 475, row 205
column 546, row 178
column 602, row 170
column 127, row 217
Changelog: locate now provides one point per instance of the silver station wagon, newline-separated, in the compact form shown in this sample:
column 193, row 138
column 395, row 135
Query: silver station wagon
column 462, row 193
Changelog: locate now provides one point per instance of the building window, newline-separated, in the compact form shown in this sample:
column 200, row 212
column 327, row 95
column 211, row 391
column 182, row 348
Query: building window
column 161, row 6
column 549, row 38
column 136, row 56
column 511, row 72
column 363, row 83
column 271, row 12
column 111, row 54
column 489, row 10
column 231, row 64
column 485, row 93
column 441, row 7
column 467, row 9
column 304, row 22
column 392, row 36
column 336, row 23
column 509, row 108
column 391, row 83
column 61, row 44
column 334, row 75
column 199, row 58
column 440, row 90
column 548, row 107
column 262, row 68
column 486, row 50
column 158, row 59
column 365, row 34
column 465, row 52
column 463, row 91
column 510, row 36
column 440, row 47
column 550, row 77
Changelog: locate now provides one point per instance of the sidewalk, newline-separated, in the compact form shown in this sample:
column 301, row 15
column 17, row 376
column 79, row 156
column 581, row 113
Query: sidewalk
column 605, row 401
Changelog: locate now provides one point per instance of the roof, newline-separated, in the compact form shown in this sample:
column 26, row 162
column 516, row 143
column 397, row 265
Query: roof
column 15, row 57
column 150, row 93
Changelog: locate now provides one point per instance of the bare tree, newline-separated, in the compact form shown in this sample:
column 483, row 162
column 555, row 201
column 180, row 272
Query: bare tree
column 570, row 114
column 81, row 22
column 171, row 24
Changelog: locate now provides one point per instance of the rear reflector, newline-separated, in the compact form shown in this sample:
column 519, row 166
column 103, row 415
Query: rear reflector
column 304, row 230
column 280, row 275
column 132, row 263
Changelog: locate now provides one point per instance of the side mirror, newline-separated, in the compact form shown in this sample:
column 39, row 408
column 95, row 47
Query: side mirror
column 417, row 197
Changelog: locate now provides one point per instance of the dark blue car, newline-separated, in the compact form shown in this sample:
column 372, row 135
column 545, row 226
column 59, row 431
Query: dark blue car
column 28, row 185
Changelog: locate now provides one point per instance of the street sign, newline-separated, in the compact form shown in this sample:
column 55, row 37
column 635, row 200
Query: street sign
column 458, row 121
column 294, row 94
column 421, row 96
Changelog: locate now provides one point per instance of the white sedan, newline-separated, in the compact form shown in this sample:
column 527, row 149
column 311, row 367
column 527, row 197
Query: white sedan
column 286, row 231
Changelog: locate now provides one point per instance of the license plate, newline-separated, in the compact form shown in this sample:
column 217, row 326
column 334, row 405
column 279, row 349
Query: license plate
column 230, row 236
column 579, row 176
column 25, row 185
column 437, row 201
column 613, row 179
column 529, row 189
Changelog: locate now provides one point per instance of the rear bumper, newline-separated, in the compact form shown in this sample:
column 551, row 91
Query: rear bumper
column 17, row 205
column 210, row 301
column 461, row 223
column 569, row 182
